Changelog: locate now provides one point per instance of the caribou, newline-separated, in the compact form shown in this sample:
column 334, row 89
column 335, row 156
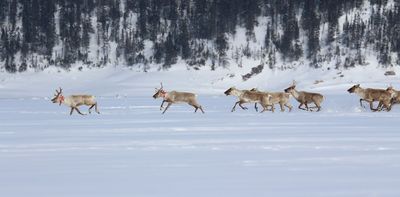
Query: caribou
column 371, row 95
column 305, row 97
column 74, row 101
column 280, row 98
column 395, row 97
column 394, row 94
column 247, row 96
column 176, row 97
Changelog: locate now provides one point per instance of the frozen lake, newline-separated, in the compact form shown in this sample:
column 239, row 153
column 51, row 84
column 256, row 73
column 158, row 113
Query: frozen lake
column 130, row 149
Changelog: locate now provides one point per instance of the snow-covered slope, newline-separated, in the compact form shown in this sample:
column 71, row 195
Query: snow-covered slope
column 127, row 82
column 142, row 35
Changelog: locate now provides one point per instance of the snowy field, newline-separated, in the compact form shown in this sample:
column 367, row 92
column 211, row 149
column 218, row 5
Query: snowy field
column 130, row 149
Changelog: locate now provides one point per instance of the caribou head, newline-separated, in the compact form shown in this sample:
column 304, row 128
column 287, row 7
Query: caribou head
column 354, row 88
column 58, row 97
column 160, row 92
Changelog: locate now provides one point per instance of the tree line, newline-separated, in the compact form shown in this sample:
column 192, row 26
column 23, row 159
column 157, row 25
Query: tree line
column 139, row 33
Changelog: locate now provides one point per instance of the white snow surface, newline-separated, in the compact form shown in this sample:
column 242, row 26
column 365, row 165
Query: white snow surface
column 131, row 149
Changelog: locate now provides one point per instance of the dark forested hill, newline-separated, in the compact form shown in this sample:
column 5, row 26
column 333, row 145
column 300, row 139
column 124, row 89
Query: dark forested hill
column 36, row 34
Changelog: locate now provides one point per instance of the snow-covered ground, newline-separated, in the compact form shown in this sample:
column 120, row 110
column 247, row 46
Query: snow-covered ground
column 130, row 149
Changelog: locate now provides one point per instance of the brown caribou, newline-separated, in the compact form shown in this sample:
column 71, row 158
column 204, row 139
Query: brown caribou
column 371, row 95
column 247, row 96
column 304, row 98
column 280, row 98
column 395, row 95
column 74, row 101
column 176, row 97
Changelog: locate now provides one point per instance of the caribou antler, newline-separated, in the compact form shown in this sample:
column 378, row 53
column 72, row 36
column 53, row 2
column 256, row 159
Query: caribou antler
column 160, row 87
column 58, row 92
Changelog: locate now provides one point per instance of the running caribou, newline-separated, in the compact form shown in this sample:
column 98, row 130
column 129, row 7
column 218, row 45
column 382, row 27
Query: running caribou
column 395, row 98
column 395, row 95
column 371, row 95
column 74, row 101
column 247, row 96
column 280, row 98
column 304, row 98
column 176, row 97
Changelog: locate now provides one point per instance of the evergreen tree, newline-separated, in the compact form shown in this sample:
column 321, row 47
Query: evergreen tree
column 290, row 33
column 142, row 18
column 3, row 10
column 200, row 20
column 47, row 35
column 13, row 13
column 222, row 46
column 250, row 11
column 183, row 40
column 310, row 23
column 171, row 51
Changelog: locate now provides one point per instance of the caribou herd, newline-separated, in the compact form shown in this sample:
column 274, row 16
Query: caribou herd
column 385, row 98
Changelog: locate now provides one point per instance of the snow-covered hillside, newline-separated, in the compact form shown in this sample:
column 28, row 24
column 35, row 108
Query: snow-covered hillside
column 162, row 34
column 121, row 82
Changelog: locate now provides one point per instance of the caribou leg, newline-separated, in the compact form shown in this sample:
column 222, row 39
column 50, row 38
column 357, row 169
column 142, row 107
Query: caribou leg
column 161, row 107
column 315, row 107
column 364, row 101
column 371, row 104
column 201, row 108
column 240, row 104
column 289, row 106
column 72, row 110
column 318, row 106
column 95, row 107
column 169, row 104
column 196, row 106
column 234, row 106
column 308, row 109
column 301, row 104
column 265, row 108
column 282, row 108
column 79, row 111
column 91, row 108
